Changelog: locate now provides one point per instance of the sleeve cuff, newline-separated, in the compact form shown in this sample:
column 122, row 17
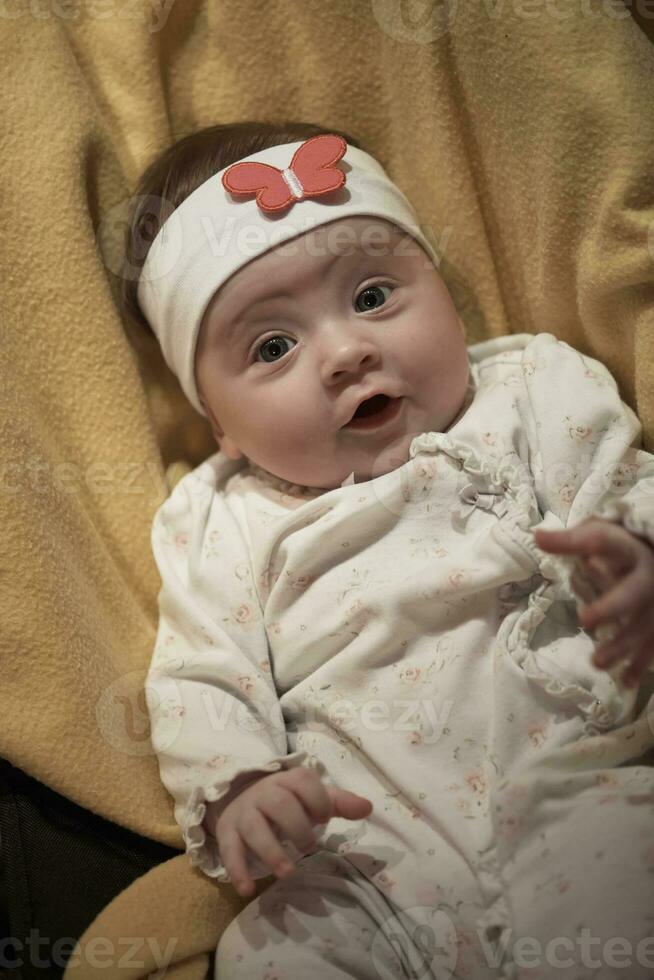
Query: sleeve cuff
column 201, row 846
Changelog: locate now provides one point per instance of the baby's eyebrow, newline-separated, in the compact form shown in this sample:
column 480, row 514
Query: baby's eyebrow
column 225, row 329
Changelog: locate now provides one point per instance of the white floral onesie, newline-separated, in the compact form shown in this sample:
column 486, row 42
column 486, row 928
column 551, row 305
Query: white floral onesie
column 407, row 637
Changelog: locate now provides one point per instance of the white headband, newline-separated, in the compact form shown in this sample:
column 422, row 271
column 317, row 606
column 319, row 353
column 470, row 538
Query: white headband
column 214, row 232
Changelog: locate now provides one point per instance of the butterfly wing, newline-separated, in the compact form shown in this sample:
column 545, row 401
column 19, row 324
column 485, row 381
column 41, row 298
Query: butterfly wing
column 266, row 181
column 313, row 162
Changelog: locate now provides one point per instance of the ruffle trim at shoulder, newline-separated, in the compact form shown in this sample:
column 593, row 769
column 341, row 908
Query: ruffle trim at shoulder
column 509, row 479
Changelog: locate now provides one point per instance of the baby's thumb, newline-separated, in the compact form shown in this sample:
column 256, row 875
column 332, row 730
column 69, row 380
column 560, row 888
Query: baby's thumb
column 348, row 805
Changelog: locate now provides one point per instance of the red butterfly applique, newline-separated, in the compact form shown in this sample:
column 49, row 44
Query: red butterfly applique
column 310, row 174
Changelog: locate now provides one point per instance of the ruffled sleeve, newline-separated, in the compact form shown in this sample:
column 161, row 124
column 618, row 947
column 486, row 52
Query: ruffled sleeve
column 584, row 441
column 216, row 721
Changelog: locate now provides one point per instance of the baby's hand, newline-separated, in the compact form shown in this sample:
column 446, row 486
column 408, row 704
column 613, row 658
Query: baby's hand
column 621, row 567
column 294, row 800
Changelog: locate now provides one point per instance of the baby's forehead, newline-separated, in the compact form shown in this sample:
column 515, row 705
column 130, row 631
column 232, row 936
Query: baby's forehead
column 358, row 230
column 362, row 240
column 345, row 241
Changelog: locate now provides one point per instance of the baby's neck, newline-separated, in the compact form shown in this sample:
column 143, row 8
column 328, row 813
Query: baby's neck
column 284, row 486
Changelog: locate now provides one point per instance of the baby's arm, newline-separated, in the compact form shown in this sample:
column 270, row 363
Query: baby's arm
column 615, row 578
column 216, row 721
column 592, row 479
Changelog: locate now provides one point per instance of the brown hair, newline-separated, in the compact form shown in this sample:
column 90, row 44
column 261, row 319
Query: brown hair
column 180, row 170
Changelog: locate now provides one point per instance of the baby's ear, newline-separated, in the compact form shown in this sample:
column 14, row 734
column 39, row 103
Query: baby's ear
column 223, row 442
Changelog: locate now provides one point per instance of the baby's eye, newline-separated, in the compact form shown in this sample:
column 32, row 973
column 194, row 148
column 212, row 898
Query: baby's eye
column 274, row 343
column 369, row 297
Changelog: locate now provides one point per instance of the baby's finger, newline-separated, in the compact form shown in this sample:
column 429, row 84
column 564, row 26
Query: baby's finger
column 601, row 573
column 585, row 585
column 639, row 664
column 628, row 597
column 311, row 792
column 348, row 804
column 592, row 537
column 590, row 579
column 285, row 810
column 629, row 640
column 262, row 841
column 232, row 855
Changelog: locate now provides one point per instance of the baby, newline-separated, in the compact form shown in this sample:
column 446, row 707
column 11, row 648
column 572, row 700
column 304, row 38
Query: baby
column 374, row 586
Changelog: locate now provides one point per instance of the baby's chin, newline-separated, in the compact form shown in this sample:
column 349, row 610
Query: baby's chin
column 358, row 468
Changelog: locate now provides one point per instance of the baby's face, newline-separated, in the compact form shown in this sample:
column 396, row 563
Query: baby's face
column 293, row 341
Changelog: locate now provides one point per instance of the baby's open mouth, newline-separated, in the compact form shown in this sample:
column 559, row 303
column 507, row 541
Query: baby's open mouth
column 371, row 406
column 374, row 411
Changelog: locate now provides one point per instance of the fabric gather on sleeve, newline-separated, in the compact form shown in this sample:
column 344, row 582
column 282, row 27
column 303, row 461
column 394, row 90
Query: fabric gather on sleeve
column 202, row 848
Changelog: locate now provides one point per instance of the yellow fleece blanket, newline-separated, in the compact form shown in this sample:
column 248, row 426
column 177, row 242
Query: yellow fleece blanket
column 522, row 132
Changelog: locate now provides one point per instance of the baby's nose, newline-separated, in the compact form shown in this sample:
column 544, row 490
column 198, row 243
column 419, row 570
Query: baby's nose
column 348, row 352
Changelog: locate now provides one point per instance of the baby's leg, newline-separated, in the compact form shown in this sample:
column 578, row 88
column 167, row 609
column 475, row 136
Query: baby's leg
column 325, row 922
column 579, row 876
